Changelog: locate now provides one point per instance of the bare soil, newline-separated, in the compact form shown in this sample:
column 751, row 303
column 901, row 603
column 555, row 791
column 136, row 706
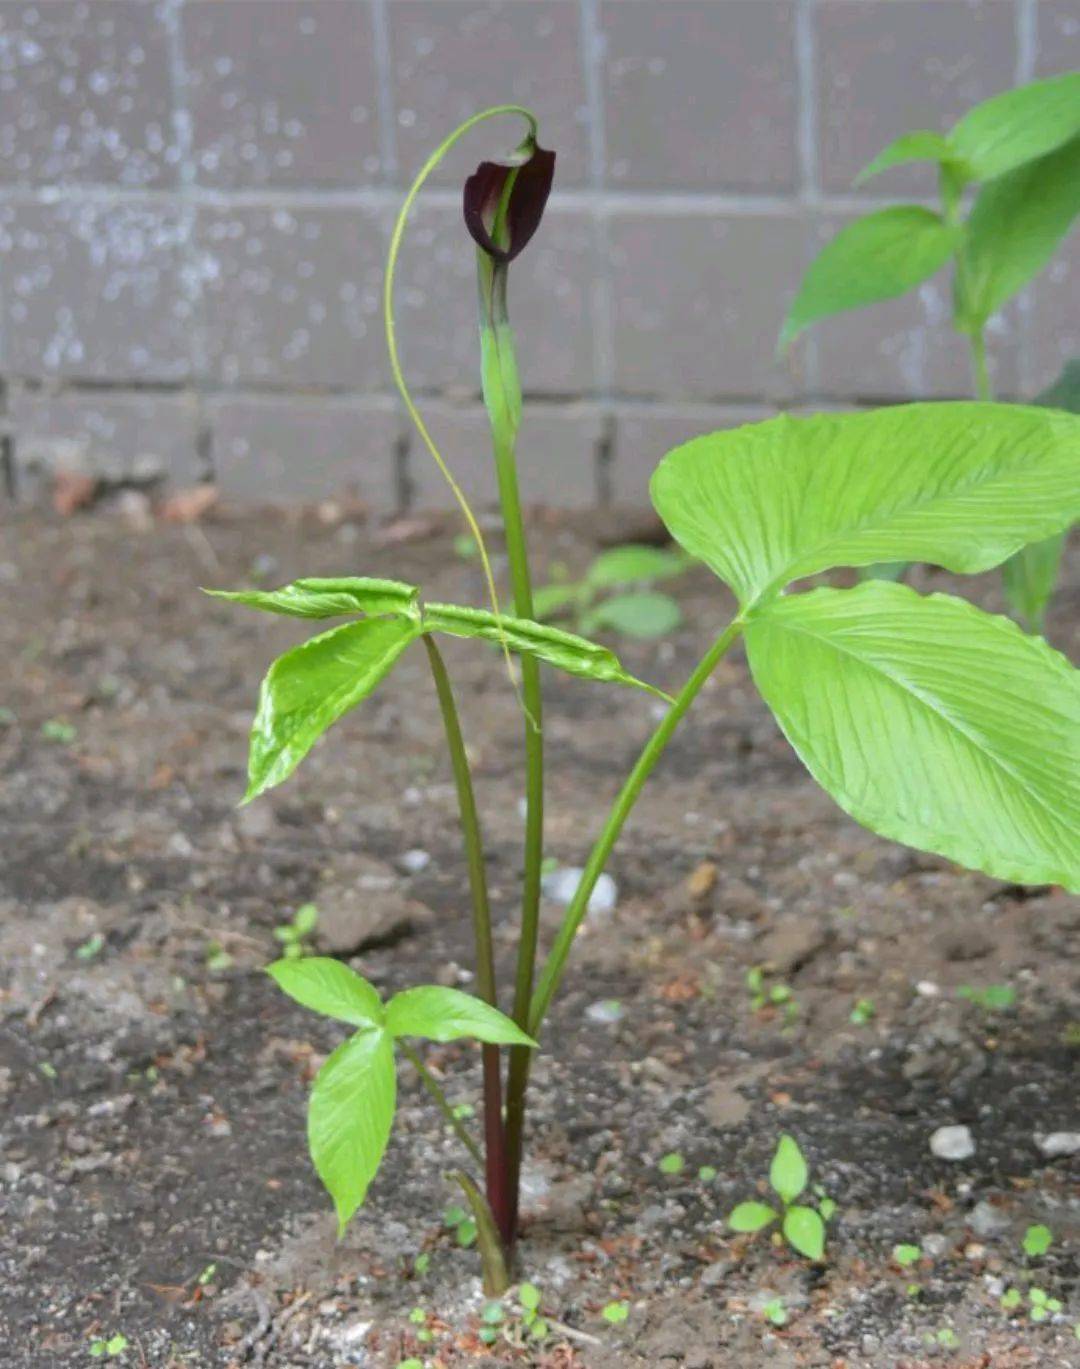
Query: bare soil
column 153, row 1079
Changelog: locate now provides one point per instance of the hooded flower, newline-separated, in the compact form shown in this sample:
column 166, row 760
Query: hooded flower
column 484, row 189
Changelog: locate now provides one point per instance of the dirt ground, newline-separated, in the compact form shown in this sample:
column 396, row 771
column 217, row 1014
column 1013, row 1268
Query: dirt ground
column 154, row 1183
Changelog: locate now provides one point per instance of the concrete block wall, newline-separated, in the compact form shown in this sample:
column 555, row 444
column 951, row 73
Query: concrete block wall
column 196, row 196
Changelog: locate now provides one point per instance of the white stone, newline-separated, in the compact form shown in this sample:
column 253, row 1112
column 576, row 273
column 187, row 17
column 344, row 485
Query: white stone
column 953, row 1143
column 412, row 862
column 607, row 1010
column 1057, row 1143
column 560, row 886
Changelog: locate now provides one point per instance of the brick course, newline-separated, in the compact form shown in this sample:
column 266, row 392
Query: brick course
column 196, row 198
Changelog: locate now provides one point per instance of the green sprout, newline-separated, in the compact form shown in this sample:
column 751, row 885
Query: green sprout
column 615, row 1312
column 991, row 998
column 1037, row 1241
column 906, row 1255
column 775, row 1311
column 672, row 1163
column 294, row 935
column 109, row 1349
column 863, row 1012
column 803, row 1227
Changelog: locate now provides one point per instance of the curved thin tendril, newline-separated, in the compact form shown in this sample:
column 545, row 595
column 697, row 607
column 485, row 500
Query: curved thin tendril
column 396, row 238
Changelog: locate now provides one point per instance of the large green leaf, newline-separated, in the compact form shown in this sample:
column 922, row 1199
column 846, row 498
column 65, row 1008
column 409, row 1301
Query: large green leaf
column 440, row 1014
column 334, row 598
column 329, row 987
column 311, row 686
column 877, row 257
column 930, row 722
column 921, row 145
column 959, row 485
column 1017, row 126
column 1014, row 229
column 350, row 1113
column 571, row 653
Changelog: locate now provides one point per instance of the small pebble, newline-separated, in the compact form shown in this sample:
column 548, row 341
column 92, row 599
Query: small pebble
column 560, row 886
column 987, row 1220
column 1058, row 1143
column 953, row 1143
column 607, row 1010
column 412, row 862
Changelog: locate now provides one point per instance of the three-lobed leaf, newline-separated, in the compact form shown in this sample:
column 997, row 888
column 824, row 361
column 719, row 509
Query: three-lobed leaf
column 312, row 686
column 327, row 986
column 1015, row 227
column 441, row 1014
column 350, row 1114
column 961, row 485
column 878, row 257
column 930, row 722
column 788, row 1174
column 329, row 598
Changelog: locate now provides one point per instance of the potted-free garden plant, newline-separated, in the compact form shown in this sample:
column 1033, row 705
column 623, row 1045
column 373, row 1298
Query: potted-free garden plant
column 928, row 720
column 1022, row 150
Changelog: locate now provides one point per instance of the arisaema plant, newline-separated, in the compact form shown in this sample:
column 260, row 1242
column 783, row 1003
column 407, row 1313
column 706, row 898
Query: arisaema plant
column 929, row 721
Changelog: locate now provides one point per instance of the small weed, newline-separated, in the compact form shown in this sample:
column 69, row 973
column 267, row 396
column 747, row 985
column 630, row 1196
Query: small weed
column 707, row 1174
column 109, row 1349
column 802, row 1227
column 906, row 1255
column 217, row 957
column 91, row 947
column 617, row 593
column 672, row 1163
column 990, row 998
column 461, row 1224
column 422, row 1263
column 615, row 1312
column 863, row 1012
column 775, row 1311
column 1040, row 1305
column 294, row 935
column 57, row 730
column 1037, row 1241
column 764, row 995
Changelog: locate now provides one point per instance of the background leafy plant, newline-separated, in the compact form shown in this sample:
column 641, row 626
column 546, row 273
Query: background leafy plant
column 1022, row 149
column 617, row 593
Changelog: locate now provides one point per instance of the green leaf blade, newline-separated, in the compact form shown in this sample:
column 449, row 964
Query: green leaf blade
column 440, row 1014
column 311, row 687
column 329, row 598
column 565, row 650
column 878, row 257
column 1015, row 227
column 804, row 1231
column 751, row 1217
column 1018, row 126
column 327, row 986
column 788, row 1174
column 922, row 145
column 930, row 722
column 634, row 563
column 350, row 1113
column 644, row 615
column 960, row 485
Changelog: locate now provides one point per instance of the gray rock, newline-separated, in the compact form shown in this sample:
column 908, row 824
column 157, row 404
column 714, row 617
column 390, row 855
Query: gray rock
column 560, row 886
column 953, row 1143
column 988, row 1220
column 1054, row 1144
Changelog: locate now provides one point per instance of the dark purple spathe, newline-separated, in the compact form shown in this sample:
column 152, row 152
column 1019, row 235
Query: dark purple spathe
column 528, row 197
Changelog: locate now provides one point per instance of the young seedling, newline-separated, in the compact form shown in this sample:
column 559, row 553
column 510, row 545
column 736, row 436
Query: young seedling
column 109, row 1349
column 992, row 998
column 617, row 593
column 803, row 1227
column 775, row 1312
column 862, row 1013
column 1037, row 1241
column 764, row 995
column 1022, row 149
column 294, row 935
column 928, row 720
